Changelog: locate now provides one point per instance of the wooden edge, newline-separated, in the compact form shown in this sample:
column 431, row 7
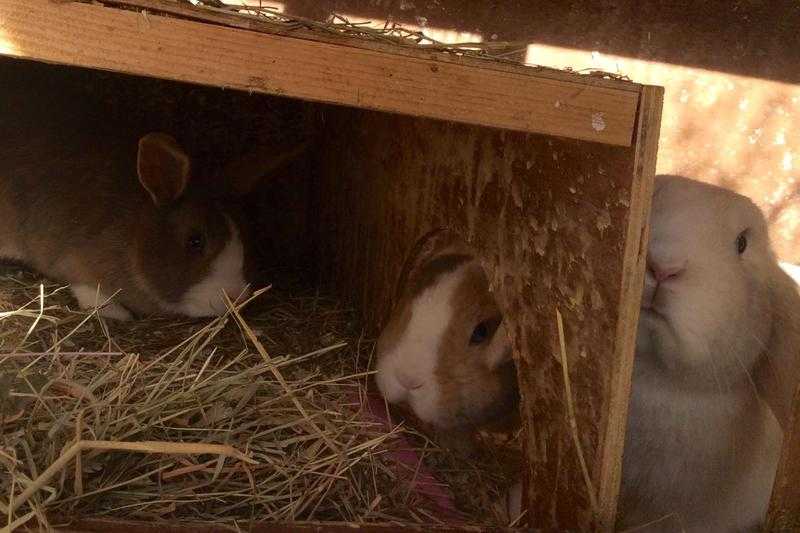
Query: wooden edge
column 635, row 254
column 129, row 526
column 254, row 23
column 139, row 43
column 784, row 506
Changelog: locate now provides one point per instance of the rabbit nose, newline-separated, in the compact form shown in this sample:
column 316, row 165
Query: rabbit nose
column 663, row 270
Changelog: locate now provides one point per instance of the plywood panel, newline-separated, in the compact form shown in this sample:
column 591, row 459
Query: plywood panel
column 633, row 264
column 150, row 45
column 560, row 225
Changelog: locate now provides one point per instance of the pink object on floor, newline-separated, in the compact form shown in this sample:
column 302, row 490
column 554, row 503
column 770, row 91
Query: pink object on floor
column 411, row 469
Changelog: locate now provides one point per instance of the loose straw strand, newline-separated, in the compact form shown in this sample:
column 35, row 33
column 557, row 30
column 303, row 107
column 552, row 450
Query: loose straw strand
column 139, row 447
column 573, row 424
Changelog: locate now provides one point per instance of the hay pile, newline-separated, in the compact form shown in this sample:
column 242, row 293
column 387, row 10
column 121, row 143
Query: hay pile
column 257, row 415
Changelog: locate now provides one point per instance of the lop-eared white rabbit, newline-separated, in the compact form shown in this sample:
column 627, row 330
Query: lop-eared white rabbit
column 716, row 339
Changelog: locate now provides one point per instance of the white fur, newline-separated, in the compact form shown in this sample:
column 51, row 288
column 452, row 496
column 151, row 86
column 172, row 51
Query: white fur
column 226, row 274
column 90, row 298
column 702, row 453
column 407, row 372
column 701, row 448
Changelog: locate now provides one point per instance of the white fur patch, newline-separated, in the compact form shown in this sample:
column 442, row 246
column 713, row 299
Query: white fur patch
column 407, row 372
column 226, row 274
column 681, row 445
column 89, row 297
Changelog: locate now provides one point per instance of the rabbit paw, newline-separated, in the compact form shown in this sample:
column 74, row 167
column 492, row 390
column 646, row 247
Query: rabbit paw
column 89, row 298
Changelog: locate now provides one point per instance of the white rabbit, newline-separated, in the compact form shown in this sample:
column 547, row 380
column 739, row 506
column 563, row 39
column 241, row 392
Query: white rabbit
column 702, row 446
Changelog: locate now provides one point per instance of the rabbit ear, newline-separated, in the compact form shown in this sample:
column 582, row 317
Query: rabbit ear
column 242, row 174
column 777, row 374
column 163, row 167
column 434, row 243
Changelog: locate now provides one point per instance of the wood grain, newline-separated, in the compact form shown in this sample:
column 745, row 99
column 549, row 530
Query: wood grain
column 170, row 48
column 558, row 223
column 297, row 30
column 633, row 265
column 784, row 508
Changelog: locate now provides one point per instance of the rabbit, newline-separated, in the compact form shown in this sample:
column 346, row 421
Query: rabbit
column 705, row 418
column 89, row 203
column 444, row 350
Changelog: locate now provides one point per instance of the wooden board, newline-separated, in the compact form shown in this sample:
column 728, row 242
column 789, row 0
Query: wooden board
column 560, row 225
column 297, row 29
column 784, row 509
column 151, row 45
column 633, row 263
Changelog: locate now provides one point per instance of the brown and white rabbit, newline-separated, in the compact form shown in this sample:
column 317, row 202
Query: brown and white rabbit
column 86, row 202
column 444, row 351
column 702, row 445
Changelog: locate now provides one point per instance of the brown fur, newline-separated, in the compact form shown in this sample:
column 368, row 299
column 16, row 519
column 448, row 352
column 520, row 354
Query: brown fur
column 416, row 275
column 74, row 208
column 163, row 168
column 473, row 390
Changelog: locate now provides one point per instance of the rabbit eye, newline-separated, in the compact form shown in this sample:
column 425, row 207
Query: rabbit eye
column 484, row 331
column 479, row 334
column 741, row 243
column 196, row 242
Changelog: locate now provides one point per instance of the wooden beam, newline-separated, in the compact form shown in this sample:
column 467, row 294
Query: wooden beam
column 150, row 45
column 633, row 268
column 225, row 17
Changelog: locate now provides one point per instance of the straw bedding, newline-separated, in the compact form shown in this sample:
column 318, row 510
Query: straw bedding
column 260, row 415
column 257, row 415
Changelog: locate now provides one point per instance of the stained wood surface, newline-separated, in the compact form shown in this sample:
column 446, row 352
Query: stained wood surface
column 298, row 30
column 171, row 48
column 784, row 511
column 633, row 264
column 560, row 225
